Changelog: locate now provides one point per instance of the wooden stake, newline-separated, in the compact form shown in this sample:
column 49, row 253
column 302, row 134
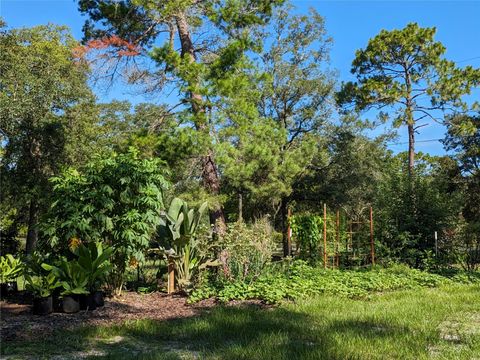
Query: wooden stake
column 325, row 235
column 372, row 243
column 171, row 276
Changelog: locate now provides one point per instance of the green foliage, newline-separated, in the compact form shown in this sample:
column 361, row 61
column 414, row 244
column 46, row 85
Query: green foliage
column 10, row 268
column 70, row 275
column 245, row 250
column 461, row 245
column 42, row 85
column 406, row 236
column 183, row 222
column 94, row 260
column 42, row 285
column 307, row 231
column 185, row 249
column 396, row 62
column 116, row 201
column 299, row 280
column 276, row 112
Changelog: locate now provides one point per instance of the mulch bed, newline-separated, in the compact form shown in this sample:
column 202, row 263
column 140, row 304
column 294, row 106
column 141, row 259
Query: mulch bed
column 18, row 323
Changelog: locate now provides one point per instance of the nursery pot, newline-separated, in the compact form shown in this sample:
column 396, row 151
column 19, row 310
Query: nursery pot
column 42, row 305
column 98, row 298
column 8, row 289
column 87, row 302
column 70, row 304
column 57, row 301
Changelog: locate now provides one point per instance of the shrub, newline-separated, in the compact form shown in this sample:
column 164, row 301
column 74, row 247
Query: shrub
column 246, row 250
column 117, row 201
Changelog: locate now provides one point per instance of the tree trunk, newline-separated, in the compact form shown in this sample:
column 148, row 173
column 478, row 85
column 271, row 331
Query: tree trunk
column 410, row 124
column 411, row 150
column 210, row 176
column 240, row 207
column 287, row 251
column 32, row 233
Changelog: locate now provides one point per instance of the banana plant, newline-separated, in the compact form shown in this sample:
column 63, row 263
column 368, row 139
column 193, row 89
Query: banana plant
column 182, row 224
column 182, row 221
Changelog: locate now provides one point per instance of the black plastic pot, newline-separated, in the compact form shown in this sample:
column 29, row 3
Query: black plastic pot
column 42, row 306
column 57, row 301
column 98, row 298
column 70, row 304
column 8, row 289
column 87, row 302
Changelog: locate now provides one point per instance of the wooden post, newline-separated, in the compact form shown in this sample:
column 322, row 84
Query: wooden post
column 171, row 276
column 372, row 243
column 289, row 233
column 337, row 245
column 324, row 235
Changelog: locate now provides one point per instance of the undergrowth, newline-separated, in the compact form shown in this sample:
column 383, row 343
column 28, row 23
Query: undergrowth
column 298, row 279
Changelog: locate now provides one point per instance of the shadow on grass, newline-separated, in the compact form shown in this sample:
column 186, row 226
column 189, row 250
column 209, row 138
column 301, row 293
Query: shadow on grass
column 242, row 332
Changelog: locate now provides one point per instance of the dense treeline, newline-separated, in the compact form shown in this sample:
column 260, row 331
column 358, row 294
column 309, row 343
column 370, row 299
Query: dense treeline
column 259, row 124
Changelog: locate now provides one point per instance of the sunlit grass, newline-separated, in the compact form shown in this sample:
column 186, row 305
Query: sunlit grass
column 437, row 323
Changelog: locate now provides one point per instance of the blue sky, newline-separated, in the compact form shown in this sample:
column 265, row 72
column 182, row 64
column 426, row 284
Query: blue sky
column 350, row 23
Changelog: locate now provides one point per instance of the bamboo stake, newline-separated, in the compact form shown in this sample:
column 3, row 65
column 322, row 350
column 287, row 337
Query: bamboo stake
column 372, row 243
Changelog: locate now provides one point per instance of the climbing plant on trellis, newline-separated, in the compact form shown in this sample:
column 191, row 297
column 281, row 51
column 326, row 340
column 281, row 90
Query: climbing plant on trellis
column 333, row 239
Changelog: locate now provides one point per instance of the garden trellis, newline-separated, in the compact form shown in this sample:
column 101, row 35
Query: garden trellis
column 336, row 238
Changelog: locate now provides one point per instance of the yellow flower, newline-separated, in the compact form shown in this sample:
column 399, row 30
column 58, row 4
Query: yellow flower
column 133, row 263
column 74, row 243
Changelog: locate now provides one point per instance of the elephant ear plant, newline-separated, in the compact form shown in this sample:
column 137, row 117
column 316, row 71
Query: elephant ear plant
column 180, row 228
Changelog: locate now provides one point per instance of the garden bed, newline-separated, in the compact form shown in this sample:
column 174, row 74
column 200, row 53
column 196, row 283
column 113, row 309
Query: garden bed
column 18, row 322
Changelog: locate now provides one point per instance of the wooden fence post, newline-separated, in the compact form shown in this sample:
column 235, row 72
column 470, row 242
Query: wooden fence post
column 324, row 235
column 372, row 243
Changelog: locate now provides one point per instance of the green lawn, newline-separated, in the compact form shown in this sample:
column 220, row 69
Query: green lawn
column 437, row 323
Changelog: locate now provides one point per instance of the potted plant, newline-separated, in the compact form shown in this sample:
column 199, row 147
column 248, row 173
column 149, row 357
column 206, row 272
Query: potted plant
column 73, row 281
column 10, row 270
column 42, row 287
column 93, row 258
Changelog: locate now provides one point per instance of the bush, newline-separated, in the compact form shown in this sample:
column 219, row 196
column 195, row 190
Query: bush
column 246, row 250
column 117, row 201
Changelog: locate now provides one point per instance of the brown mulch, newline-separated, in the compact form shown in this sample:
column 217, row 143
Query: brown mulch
column 17, row 321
